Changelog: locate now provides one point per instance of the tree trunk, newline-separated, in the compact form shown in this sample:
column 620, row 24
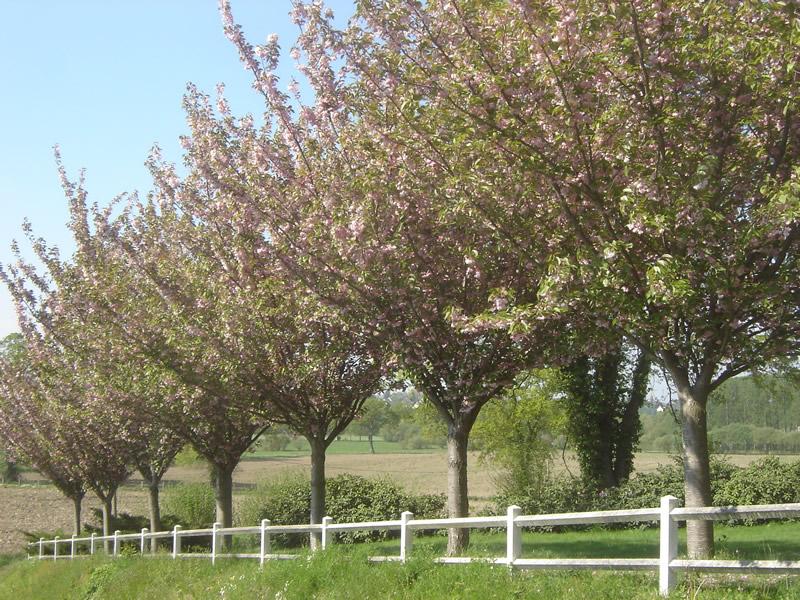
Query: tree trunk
column 371, row 445
column 223, row 496
column 457, row 498
column 627, row 442
column 696, row 468
column 591, row 403
column 630, row 428
column 155, row 514
column 76, row 505
column 604, row 464
column 608, row 397
column 107, row 511
column 603, row 413
column 318, row 448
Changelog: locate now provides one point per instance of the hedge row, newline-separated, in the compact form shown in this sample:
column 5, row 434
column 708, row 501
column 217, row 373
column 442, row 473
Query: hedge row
column 349, row 498
column 766, row 481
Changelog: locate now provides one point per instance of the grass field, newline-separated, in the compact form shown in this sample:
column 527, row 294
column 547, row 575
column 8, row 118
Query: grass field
column 344, row 572
column 771, row 541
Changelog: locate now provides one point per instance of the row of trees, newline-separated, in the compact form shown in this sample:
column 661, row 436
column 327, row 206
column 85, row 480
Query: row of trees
column 661, row 435
column 476, row 189
column 129, row 313
column 76, row 428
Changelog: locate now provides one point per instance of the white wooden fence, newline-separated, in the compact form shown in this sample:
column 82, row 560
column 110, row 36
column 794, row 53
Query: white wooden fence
column 667, row 564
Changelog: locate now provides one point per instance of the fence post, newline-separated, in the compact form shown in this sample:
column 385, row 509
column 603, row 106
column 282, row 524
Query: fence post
column 406, row 535
column 667, row 577
column 265, row 542
column 116, row 542
column 325, row 522
column 55, row 548
column 176, row 541
column 91, row 543
column 513, row 535
column 214, row 541
column 144, row 538
column 41, row 548
column 72, row 546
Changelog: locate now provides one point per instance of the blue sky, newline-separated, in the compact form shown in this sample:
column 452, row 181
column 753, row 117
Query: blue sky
column 104, row 80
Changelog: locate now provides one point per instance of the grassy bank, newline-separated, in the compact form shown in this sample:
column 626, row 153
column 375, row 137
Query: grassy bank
column 344, row 572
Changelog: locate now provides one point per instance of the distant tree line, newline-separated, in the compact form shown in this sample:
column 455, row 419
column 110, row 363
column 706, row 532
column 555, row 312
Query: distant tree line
column 759, row 414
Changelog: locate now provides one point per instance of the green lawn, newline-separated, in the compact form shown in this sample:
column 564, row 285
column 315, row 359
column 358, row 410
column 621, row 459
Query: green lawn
column 343, row 572
column 769, row 541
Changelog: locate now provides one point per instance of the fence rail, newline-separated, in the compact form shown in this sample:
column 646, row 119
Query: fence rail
column 668, row 515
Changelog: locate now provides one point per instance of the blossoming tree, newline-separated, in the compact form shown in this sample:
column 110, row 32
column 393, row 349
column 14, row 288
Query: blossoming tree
column 28, row 433
column 308, row 368
column 382, row 231
column 666, row 136
column 57, row 419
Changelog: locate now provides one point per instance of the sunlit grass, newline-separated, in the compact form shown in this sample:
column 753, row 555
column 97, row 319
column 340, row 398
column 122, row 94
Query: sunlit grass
column 344, row 571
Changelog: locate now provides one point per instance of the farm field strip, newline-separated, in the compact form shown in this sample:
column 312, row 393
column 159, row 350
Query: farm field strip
column 29, row 508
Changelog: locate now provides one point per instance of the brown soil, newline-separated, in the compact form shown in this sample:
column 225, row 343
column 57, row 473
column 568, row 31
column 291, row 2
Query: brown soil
column 42, row 507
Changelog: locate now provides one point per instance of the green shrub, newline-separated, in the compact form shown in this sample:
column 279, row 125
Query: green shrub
column 643, row 490
column 413, row 442
column 275, row 442
column 127, row 523
column 556, row 495
column 191, row 504
column 349, row 498
column 766, row 481
column 37, row 534
column 284, row 500
column 428, row 506
column 298, row 444
column 123, row 522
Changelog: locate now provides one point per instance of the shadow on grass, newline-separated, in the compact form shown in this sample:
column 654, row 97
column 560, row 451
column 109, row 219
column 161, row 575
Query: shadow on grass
column 772, row 541
column 595, row 543
column 777, row 541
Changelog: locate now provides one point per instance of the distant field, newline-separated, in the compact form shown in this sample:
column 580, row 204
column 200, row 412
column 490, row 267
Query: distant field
column 344, row 445
column 423, row 472
column 26, row 508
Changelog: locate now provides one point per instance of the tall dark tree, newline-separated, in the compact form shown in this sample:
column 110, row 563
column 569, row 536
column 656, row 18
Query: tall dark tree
column 604, row 395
